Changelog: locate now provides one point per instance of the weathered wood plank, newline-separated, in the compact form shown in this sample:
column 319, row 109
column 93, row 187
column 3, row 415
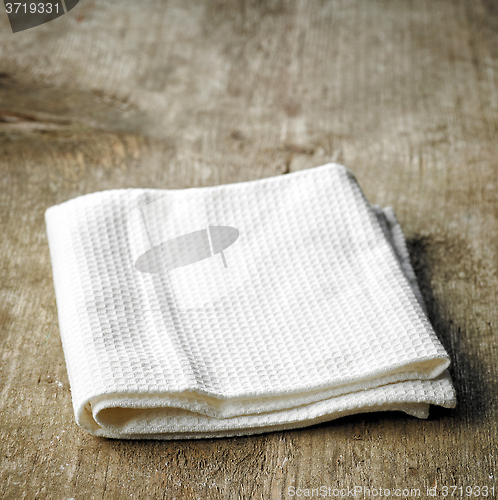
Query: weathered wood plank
column 179, row 94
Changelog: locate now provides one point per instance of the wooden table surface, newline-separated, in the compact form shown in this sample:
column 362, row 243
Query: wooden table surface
column 176, row 94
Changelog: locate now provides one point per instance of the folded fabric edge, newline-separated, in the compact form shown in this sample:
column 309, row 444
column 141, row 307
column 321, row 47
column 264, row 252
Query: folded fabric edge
column 217, row 407
column 108, row 417
column 419, row 410
column 197, row 429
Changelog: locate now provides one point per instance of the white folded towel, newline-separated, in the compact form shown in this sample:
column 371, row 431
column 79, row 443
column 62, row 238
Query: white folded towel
column 239, row 309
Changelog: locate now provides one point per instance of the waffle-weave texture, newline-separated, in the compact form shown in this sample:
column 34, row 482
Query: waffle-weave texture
column 312, row 313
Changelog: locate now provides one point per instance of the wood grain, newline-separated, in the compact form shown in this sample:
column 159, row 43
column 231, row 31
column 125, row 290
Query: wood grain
column 177, row 94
